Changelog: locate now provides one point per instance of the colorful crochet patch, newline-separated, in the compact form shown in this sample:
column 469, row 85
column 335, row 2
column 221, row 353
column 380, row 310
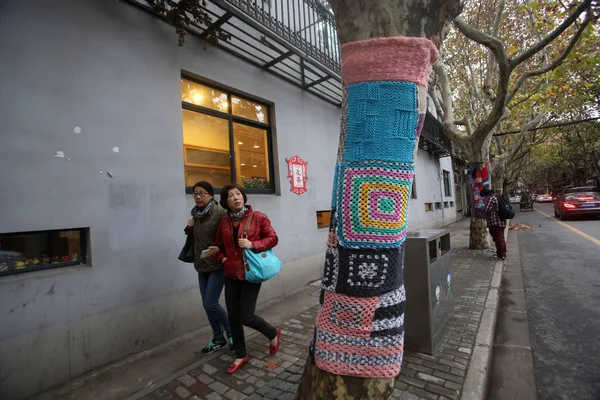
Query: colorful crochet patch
column 347, row 316
column 369, row 272
column 372, row 202
column 382, row 121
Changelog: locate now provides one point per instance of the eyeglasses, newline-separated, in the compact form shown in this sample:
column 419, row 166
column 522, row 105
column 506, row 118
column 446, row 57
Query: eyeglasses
column 200, row 194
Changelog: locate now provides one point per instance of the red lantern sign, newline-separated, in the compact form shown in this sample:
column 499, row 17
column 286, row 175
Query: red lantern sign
column 297, row 174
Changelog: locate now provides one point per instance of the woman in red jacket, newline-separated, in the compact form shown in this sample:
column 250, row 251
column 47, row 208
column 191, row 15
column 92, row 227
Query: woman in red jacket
column 241, row 295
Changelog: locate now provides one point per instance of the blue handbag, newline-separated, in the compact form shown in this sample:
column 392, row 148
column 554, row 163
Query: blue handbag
column 262, row 266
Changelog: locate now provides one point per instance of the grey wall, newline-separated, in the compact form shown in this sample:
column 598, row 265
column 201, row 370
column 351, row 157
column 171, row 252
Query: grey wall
column 430, row 189
column 114, row 71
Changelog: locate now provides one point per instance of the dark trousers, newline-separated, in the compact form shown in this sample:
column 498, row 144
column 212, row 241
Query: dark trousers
column 498, row 236
column 211, row 286
column 241, row 297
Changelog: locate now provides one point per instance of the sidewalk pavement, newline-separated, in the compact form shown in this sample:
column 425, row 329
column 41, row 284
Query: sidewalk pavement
column 459, row 369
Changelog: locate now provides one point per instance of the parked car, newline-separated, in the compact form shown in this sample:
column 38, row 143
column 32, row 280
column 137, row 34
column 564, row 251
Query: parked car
column 534, row 196
column 515, row 199
column 578, row 201
column 544, row 198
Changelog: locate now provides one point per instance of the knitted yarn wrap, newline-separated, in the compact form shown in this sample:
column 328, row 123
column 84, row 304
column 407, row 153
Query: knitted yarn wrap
column 360, row 325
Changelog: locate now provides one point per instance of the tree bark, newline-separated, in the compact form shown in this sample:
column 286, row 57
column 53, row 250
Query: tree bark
column 358, row 21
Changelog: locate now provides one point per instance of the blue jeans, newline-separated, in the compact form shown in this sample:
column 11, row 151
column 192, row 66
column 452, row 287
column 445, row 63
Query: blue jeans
column 211, row 286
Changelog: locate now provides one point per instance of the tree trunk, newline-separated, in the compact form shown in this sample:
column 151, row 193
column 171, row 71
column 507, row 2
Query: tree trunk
column 480, row 179
column 388, row 48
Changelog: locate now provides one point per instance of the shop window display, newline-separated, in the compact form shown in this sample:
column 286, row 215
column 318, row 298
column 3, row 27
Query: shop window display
column 32, row 251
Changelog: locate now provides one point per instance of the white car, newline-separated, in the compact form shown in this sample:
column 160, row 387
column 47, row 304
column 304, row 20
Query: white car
column 544, row 198
column 514, row 199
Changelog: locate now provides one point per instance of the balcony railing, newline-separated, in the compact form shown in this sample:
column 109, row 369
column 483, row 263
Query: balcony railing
column 308, row 25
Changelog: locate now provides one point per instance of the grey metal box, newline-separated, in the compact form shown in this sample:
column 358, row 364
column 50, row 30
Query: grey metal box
column 428, row 283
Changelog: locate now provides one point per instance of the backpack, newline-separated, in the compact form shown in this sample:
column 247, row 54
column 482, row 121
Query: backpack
column 505, row 209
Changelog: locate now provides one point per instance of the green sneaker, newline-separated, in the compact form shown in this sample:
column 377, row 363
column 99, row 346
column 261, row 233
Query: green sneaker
column 214, row 345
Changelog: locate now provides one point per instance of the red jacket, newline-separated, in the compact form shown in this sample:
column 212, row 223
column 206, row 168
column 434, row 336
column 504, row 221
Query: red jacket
column 260, row 233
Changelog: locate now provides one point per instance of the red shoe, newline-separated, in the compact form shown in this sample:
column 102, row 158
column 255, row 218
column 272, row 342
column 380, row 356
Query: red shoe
column 273, row 349
column 233, row 368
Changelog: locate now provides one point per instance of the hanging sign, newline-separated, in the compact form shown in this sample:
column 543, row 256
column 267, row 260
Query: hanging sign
column 297, row 174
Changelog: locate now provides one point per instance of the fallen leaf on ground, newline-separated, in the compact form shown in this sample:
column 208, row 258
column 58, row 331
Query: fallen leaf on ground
column 272, row 364
column 520, row 227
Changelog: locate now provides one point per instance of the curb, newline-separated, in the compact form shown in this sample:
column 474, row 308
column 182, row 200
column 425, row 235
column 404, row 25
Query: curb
column 479, row 371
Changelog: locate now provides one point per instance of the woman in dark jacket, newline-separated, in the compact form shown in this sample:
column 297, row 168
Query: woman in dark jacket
column 206, row 216
column 241, row 295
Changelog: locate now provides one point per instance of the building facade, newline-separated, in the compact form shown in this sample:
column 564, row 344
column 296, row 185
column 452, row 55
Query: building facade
column 106, row 125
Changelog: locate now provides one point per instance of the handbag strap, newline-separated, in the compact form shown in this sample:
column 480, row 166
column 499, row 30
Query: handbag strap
column 247, row 225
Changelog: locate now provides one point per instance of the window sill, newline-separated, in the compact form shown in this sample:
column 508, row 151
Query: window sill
column 64, row 268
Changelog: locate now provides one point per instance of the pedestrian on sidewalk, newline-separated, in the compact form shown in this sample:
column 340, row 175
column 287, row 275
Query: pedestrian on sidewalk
column 241, row 295
column 495, row 223
column 203, row 225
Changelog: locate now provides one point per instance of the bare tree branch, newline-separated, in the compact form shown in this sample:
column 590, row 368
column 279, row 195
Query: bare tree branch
column 495, row 45
column 448, row 119
column 571, row 19
column 487, row 85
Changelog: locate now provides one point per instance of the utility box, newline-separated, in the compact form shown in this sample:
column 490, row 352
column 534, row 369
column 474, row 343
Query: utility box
column 428, row 283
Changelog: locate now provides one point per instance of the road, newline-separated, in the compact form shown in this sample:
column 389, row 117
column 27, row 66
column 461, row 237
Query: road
column 561, row 276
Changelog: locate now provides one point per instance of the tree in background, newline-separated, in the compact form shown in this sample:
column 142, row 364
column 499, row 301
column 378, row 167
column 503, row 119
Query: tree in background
column 495, row 72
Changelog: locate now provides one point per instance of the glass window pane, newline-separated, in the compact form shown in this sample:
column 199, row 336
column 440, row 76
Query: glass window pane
column 249, row 109
column 252, row 156
column 201, row 95
column 23, row 251
column 206, row 149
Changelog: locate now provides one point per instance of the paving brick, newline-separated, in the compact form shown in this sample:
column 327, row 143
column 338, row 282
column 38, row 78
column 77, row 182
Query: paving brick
column 414, row 382
column 209, row 369
column 422, row 393
column 420, row 368
column 452, row 385
column 280, row 384
column 457, row 372
column 218, row 387
column 186, row 380
column 200, row 388
column 194, row 372
column 450, row 393
column 182, row 392
column 294, row 378
column 436, row 366
column 205, row 378
column 251, row 379
column 234, row 395
column 273, row 393
column 172, row 385
column 449, row 377
column 287, row 396
column 400, row 385
column 464, row 350
column 214, row 396
column 455, row 364
column 430, row 378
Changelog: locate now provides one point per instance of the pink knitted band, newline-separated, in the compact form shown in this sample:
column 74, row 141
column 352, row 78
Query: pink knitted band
column 388, row 59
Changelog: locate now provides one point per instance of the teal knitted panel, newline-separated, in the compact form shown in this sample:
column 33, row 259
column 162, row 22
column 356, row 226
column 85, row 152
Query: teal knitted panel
column 382, row 121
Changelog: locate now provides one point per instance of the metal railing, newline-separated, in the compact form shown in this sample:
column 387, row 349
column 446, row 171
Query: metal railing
column 308, row 25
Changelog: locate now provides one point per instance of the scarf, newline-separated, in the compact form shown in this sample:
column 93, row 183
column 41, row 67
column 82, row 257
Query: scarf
column 201, row 213
column 235, row 217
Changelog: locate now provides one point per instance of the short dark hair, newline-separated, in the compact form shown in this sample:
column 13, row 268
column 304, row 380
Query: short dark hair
column 486, row 192
column 225, row 193
column 206, row 186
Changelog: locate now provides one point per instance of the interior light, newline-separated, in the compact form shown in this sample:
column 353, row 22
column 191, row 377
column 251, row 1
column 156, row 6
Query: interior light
column 242, row 165
column 240, row 142
column 255, row 166
column 256, row 146
column 197, row 97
